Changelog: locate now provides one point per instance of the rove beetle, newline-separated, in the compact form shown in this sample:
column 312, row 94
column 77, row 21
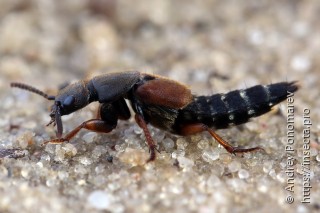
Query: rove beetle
column 164, row 103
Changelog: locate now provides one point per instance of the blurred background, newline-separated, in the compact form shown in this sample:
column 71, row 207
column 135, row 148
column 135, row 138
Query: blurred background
column 211, row 45
column 194, row 42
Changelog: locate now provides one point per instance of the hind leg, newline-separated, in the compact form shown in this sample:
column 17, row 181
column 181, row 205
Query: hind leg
column 199, row 127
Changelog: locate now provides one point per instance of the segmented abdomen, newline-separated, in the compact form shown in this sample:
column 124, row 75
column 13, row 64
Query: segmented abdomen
column 236, row 107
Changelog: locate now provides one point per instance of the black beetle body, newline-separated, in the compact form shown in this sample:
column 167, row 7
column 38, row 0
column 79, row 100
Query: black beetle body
column 162, row 102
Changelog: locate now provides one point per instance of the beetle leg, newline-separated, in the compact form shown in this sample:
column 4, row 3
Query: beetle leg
column 199, row 127
column 105, row 123
column 95, row 125
column 151, row 144
column 117, row 108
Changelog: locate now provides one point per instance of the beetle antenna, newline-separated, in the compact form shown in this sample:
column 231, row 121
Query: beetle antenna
column 32, row 89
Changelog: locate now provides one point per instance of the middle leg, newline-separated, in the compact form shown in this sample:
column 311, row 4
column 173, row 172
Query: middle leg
column 151, row 144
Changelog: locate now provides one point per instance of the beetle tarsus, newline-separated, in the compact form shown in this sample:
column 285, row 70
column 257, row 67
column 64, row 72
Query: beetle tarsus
column 56, row 141
column 236, row 150
column 152, row 151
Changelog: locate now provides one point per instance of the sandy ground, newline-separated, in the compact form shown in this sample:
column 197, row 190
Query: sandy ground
column 212, row 46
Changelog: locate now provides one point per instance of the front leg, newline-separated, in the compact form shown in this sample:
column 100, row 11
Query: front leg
column 95, row 125
column 106, row 121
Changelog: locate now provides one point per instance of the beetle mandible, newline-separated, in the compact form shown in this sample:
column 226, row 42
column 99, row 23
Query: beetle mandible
column 162, row 102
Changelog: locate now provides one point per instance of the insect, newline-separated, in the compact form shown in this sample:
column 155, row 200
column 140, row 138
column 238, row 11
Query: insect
column 161, row 102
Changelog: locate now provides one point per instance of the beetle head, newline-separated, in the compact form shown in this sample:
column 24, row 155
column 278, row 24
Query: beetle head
column 69, row 99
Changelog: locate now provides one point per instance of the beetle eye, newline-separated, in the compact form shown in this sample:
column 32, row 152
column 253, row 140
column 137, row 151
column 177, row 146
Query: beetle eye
column 68, row 101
